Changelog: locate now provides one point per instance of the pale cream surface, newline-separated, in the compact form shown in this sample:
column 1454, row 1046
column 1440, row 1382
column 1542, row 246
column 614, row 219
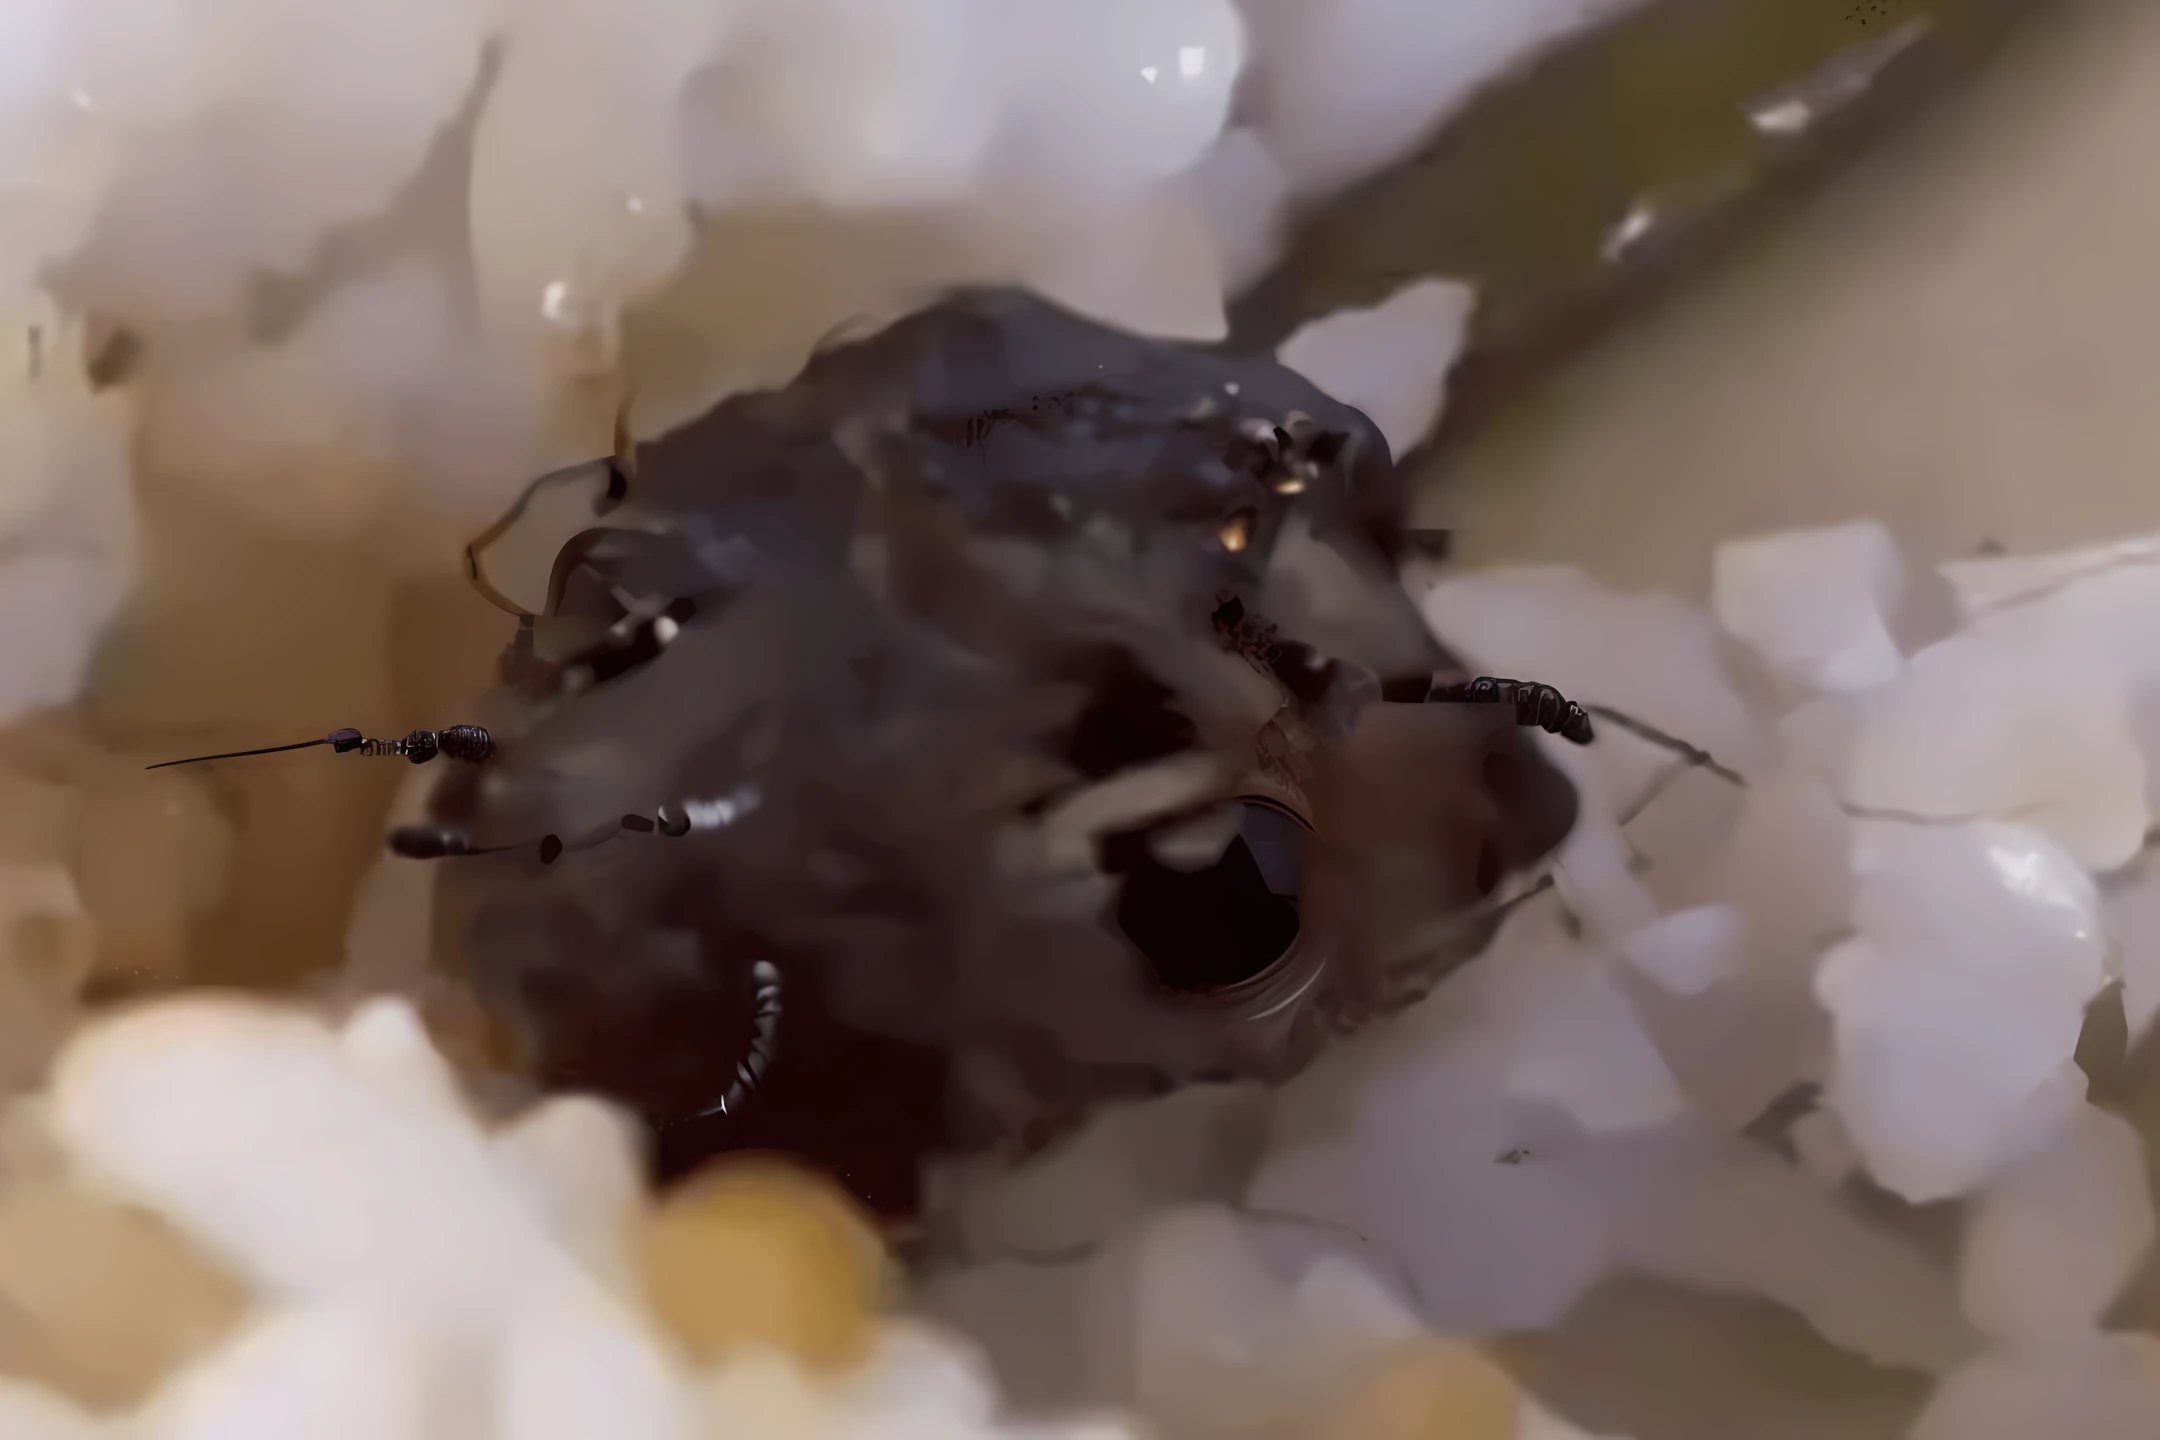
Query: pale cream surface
column 1962, row 340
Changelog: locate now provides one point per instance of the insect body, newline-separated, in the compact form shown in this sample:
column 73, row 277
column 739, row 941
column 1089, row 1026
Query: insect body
column 1046, row 759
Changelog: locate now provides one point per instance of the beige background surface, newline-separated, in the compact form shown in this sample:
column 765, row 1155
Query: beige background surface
column 1961, row 339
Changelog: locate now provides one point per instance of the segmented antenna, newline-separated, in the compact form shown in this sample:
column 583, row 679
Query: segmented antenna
column 1535, row 705
column 441, row 842
column 1694, row 755
column 438, row 842
column 1549, row 710
column 765, row 1033
column 469, row 743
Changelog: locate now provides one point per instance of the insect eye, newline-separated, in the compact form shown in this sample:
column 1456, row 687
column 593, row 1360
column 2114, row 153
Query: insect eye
column 1209, row 924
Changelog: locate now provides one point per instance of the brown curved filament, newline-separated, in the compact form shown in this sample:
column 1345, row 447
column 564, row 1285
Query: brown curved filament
column 551, row 510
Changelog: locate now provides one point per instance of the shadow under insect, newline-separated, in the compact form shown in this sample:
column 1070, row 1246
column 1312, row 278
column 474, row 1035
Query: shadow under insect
column 847, row 795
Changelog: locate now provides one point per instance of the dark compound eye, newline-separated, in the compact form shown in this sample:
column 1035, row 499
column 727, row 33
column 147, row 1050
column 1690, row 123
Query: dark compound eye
column 1220, row 925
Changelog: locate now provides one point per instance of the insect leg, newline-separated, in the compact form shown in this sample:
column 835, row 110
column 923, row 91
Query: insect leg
column 1695, row 755
column 765, row 1034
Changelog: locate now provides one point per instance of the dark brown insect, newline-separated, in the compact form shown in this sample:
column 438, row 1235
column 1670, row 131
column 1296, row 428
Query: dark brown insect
column 1044, row 781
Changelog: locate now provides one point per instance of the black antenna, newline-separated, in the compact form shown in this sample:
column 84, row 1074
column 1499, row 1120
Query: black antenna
column 1535, row 705
column 343, row 740
column 469, row 743
column 1695, row 756
column 1547, row 709
column 439, row 842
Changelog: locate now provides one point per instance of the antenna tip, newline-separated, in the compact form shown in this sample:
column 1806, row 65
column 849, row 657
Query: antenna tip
column 422, row 842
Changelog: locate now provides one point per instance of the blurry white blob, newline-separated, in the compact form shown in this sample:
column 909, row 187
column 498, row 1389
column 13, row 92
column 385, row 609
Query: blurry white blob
column 1654, row 657
column 305, row 1370
column 1579, row 1046
column 1413, row 70
column 1117, row 93
column 28, row 1412
column 1815, row 604
column 2040, row 710
column 2058, row 1232
column 1390, row 361
column 1688, row 952
column 380, row 402
column 1961, row 997
column 1986, row 584
column 67, row 506
column 1143, row 259
column 1490, row 1245
column 411, row 1271
column 1244, row 200
column 579, row 1164
column 2027, row 726
column 1518, row 1193
column 1725, row 1002
column 1199, row 1143
column 176, row 154
column 583, row 114
column 232, row 134
column 2090, row 1386
column 1222, row 1343
column 50, row 148
column 918, row 1383
column 290, row 1150
column 848, row 104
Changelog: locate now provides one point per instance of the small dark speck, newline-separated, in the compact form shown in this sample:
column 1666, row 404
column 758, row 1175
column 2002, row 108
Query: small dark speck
column 1991, row 547
column 1511, row 1157
column 1775, row 1125
column 113, row 362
